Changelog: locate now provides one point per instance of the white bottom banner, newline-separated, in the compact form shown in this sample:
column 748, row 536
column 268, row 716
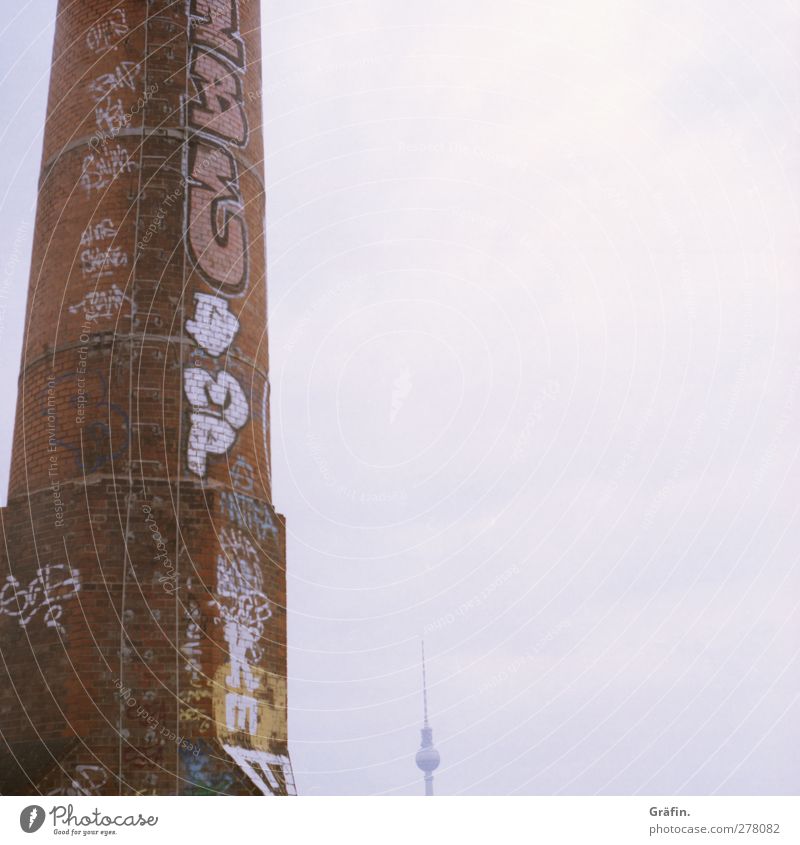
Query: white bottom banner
column 550, row 821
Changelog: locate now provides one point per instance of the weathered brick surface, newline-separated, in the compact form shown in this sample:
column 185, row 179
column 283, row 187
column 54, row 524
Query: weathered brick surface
column 142, row 612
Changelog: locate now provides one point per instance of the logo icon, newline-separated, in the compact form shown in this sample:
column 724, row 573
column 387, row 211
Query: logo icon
column 31, row 818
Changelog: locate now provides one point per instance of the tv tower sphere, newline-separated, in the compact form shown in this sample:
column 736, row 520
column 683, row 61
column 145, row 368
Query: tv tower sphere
column 427, row 757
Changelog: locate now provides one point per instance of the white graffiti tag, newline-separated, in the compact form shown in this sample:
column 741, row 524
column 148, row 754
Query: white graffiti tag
column 249, row 707
column 102, row 304
column 271, row 773
column 99, row 262
column 123, row 76
column 192, row 649
column 245, row 608
column 240, row 583
column 110, row 115
column 106, row 32
column 88, row 780
column 220, row 410
column 213, row 326
column 100, row 231
column 51, row 586
column 216, row 234
column 214, row 25
column 101, row 168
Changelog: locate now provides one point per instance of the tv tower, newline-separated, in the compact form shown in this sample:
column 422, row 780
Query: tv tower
column 427, row 757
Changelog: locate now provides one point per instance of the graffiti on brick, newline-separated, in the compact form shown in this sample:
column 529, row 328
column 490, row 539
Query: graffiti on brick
column 240, row 587
column 242, row 476
column 214, row 26
column 213, row 326
column 87, row 780
column 103, row 304
column 203, row 772
column 110, row 115
column 102, row 230
column 217, row 104
column 124, row 75
column 249, row 703
column 98, row 263
column 253, row 515
column 244, row 609
column 195, row 693
column 106, row 33
column 107, row 93
column 219, row 410
column 216, row 235
column 102, row 166
column 191, row 649
column 100, row 258
column 271, row 773
column 43, row 596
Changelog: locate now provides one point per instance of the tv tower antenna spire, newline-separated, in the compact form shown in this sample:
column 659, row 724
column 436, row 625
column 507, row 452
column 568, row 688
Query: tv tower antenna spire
column 427, row 758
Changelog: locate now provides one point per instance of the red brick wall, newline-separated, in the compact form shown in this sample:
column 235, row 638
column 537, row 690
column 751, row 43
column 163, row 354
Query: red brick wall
column 142, row 618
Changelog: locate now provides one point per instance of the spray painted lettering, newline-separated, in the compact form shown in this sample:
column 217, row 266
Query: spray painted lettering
column 52, row 585
column 101, row 167
column 215, row 26
column 244, row 608
column 220, row 410
column 88, row 780
column 106, row 33
column 123, row 76
column 99, row 260
column 216, row 233
column 252, row 514
column 213, row 326
column 267, row 771
column 217, row 107
column 103, row 230
column 102, row 304
column 249, row 704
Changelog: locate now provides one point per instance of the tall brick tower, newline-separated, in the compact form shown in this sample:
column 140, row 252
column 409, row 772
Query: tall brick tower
column 142, row 575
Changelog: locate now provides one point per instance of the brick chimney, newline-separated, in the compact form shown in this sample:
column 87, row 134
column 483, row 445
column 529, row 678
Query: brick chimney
column 142, row 575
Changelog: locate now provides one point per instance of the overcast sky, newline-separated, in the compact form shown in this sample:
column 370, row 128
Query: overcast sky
column 536, row 383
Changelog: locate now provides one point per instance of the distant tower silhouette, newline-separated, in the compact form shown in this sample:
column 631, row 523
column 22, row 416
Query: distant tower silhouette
column 427, row 757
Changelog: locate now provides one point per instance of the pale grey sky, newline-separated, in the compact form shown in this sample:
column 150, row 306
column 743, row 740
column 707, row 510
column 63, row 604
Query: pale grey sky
column 533, row 291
